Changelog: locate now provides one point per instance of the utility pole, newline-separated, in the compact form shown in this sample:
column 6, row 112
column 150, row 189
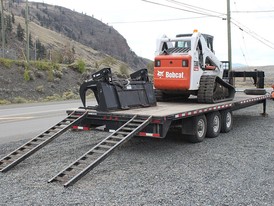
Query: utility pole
column 3, row 29
column 27, row 30
column 229, row 37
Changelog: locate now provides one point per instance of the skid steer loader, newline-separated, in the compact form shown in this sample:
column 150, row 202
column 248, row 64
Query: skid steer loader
column 186, row 65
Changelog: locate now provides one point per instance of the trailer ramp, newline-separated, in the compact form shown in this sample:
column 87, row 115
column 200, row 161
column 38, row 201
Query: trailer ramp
column 102, row 150
column 29, row 148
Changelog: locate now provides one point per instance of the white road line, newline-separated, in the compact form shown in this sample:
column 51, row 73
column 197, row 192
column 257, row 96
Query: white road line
column 15, row 118
column 32, row 113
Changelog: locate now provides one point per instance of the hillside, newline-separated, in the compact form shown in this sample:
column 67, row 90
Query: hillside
column 63, row 37
column 77, row 28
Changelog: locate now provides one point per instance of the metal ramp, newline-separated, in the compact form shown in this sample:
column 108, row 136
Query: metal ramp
column 23, row 152
column 102, row 150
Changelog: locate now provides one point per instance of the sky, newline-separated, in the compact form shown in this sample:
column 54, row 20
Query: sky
column 141, row 22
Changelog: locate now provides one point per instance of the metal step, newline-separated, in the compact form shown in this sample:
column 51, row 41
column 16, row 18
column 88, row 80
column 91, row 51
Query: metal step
column 29, row 148
column 98, row 153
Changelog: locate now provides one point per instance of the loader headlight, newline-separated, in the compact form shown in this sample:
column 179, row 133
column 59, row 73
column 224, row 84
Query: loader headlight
column 185, row 63
column 157, row 63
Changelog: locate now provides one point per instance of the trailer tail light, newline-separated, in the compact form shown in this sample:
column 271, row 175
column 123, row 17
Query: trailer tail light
column 157, row 63
column 185, row 63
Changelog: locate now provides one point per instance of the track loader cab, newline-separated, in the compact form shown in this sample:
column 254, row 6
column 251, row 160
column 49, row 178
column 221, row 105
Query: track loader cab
column 173, row 64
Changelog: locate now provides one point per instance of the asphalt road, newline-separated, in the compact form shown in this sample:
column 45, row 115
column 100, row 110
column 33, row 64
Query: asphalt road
column 24, row 121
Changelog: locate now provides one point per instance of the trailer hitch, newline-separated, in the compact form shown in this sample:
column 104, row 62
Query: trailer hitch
column 112, row 93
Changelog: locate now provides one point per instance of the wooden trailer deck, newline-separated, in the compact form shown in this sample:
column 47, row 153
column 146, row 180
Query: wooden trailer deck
column 173, row 109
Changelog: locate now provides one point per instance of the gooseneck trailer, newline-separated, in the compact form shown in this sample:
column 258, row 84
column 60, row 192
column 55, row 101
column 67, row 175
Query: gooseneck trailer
column 126, row 119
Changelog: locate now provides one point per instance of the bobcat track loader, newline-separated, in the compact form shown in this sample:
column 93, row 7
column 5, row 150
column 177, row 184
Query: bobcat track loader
column 186, row 65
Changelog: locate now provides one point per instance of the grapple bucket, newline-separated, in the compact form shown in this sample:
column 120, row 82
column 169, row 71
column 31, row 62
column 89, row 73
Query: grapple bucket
column 116, row 94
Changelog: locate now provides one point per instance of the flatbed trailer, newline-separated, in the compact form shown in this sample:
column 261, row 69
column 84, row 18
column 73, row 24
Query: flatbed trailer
column 167, row 114
column 195, row 121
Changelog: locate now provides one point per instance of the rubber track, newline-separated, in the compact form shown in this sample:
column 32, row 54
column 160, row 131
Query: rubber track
column 214, row 90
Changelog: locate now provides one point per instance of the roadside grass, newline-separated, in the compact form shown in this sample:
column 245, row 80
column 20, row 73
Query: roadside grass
column 69, row 95
column 4, row 101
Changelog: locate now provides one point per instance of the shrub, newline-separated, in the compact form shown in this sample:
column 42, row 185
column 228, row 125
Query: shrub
column 26, row 75
column 31, row 75
column 124, row 70
column 21, row 63
column 40, row 89
column 39, row 74
column 68, row 95
column 108, row 61
column 19, row 100
column 50, row 75
column 43, row 65
column 4, row 101
column 6, row 62
column 54, row 97
column 58, row 73
column 40, row 65
column 81, row 66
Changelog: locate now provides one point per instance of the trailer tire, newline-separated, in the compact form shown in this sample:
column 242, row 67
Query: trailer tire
column 257, row 91
column 213, row 124
column 227, row 121
column 199, row 129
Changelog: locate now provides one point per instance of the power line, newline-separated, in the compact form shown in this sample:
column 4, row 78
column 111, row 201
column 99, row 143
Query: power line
column 242, row 50
column 245, row 29
column 157, row 20
column 177, row 8
column 241, row 26
column 196, row 10
column 199, row 9
column 255, row 36
column 205, row 15
column 262, row 11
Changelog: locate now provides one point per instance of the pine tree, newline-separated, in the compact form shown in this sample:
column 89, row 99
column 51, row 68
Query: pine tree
column 30, row 41
column 9, row 24
column 20, row 32
column 12, row 18
column 41, row 50
column 0, row 20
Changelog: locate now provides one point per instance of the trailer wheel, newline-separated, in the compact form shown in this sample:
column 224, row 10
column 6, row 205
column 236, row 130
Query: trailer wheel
column 227, row 121
column 257, row 91
column 213, row 124
column 199, row 129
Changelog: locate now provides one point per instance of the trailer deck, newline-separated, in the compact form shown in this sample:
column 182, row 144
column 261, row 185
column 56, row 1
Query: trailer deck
column 166, row 114
column 173, row 109
column 169, row 109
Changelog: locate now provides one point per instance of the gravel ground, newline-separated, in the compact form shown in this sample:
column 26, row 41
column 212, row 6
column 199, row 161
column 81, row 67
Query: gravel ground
column 236, row 168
